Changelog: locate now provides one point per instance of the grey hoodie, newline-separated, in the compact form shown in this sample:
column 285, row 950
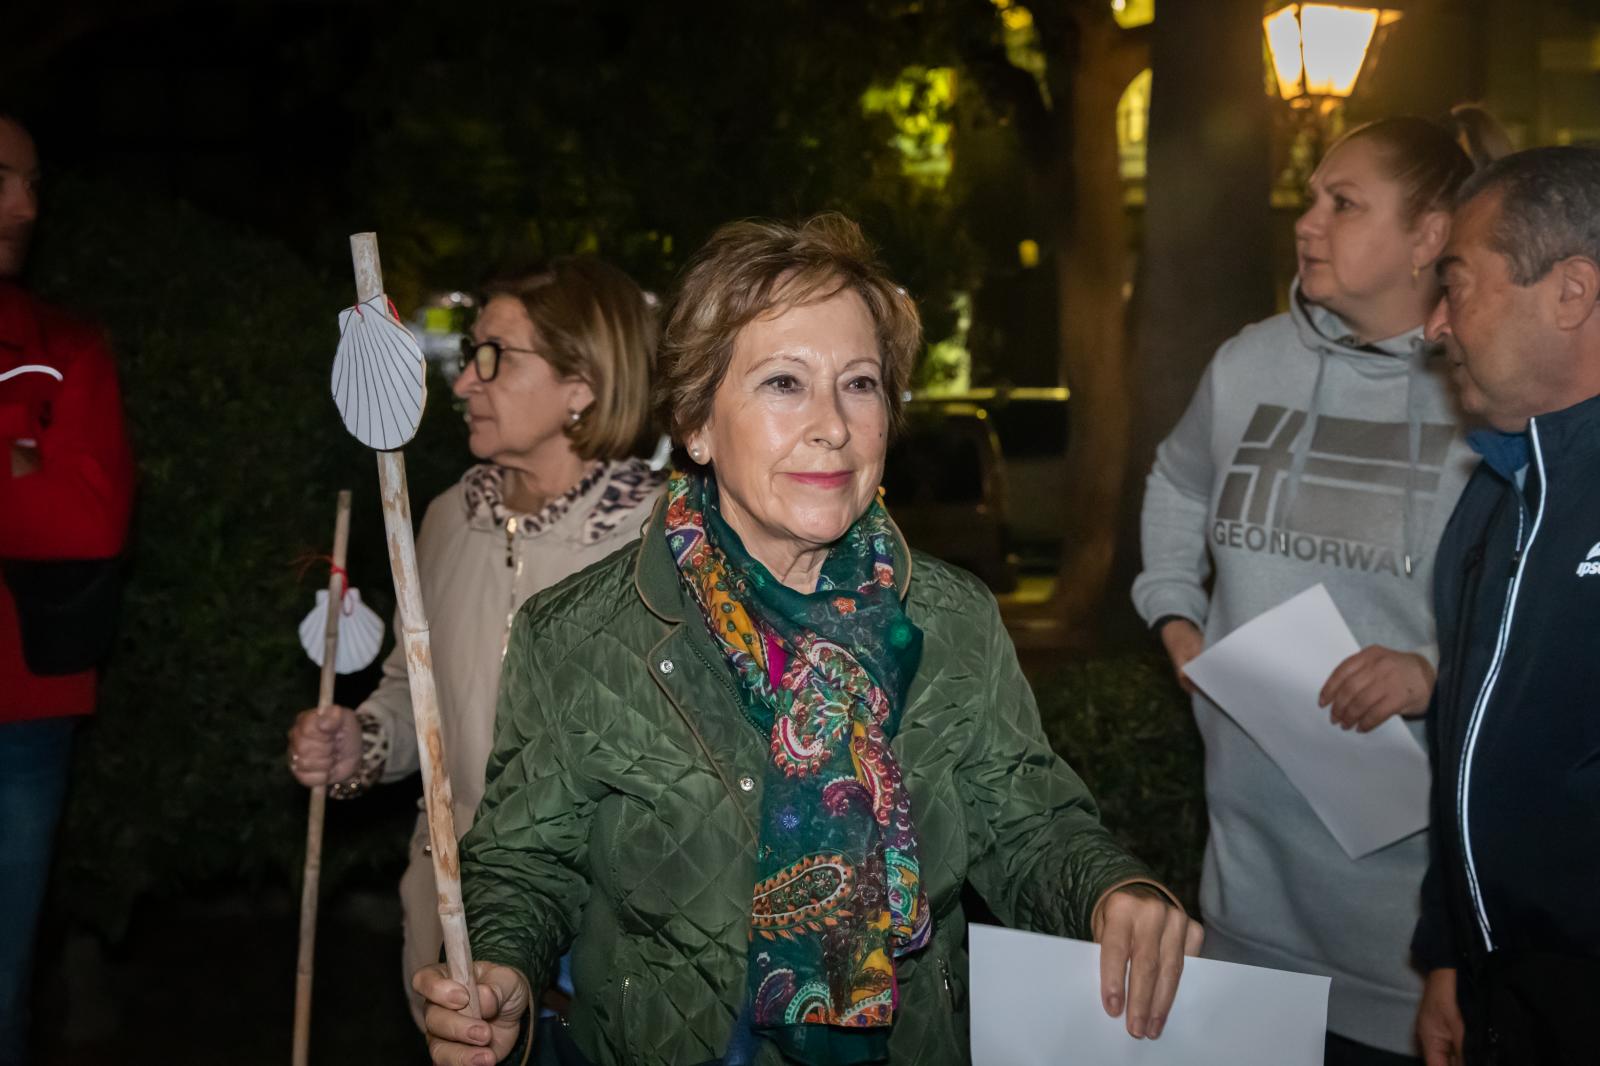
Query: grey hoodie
column 1303, row 459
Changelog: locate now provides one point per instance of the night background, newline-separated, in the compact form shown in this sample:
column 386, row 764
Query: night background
column 1089, row 195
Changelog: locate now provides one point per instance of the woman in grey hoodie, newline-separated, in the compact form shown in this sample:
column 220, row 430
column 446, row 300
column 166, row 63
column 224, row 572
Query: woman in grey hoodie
column 1321, row 446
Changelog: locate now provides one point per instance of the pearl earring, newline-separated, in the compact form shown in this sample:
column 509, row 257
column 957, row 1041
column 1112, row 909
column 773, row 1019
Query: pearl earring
column 573, row 416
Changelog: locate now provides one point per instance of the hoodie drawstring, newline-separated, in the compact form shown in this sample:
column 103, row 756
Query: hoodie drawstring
column 1320, row 338
column 1414, row 442
column 1410, row 551
column 1297, row 462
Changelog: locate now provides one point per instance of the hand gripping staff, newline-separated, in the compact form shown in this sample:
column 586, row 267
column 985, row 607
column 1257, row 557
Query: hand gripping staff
column 378, row 388
column 337, row 584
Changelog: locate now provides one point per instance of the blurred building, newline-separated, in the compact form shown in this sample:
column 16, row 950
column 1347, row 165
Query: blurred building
column 1541, row 69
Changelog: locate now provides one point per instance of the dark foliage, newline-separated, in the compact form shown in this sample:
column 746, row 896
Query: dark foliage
column 635, row 130
column 1126, row 729
column 224, row 341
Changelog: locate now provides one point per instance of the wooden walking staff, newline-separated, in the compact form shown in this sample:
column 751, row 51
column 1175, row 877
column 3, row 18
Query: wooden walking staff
column 385, row 423
column 338, row 583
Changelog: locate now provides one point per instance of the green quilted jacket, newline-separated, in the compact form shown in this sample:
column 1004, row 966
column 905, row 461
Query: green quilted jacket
column 625, row 784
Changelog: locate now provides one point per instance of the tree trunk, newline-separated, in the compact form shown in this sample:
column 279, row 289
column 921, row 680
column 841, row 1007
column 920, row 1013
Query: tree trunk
column 1205, row 269
column 1092, row 270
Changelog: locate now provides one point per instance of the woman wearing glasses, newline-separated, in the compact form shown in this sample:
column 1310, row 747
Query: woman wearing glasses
column 555, row 381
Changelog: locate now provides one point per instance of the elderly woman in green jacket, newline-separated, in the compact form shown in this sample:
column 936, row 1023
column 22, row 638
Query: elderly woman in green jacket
column 744, row 767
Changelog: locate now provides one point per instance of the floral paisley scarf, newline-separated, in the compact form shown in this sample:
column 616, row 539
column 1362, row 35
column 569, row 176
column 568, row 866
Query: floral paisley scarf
column 838, row 893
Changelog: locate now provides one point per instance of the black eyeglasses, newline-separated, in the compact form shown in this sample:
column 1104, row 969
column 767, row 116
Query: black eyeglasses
column 485, row 356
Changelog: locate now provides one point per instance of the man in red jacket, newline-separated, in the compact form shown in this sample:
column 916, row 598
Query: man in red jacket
column 66, row 489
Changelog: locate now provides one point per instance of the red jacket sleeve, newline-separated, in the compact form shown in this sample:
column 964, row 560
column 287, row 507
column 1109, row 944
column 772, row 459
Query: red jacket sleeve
column 77, row 504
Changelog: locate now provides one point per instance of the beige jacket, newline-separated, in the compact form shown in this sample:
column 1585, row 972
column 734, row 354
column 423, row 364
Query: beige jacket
column 477, row 563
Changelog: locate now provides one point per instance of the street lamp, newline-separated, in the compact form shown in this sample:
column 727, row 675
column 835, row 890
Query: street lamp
column 1318, row 50
column 1317, row 53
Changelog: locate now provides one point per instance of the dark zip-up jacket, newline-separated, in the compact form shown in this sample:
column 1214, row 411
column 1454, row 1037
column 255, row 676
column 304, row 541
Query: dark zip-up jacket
column 1514, row 726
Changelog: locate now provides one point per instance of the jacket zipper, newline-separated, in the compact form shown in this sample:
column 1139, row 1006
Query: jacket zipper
column 950, row 1010
column 1486, row 692
column 514, row 563
column 627, row 1029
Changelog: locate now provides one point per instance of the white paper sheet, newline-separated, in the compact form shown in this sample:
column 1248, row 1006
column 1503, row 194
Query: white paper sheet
column 1369, row 789
column 1036, row 1002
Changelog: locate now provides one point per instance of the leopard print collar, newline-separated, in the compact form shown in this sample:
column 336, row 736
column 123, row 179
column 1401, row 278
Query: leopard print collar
column 627, row 484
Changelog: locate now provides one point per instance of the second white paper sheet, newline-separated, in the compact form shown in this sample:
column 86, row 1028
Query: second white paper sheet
column 1036, row 1002
column 1369, row 789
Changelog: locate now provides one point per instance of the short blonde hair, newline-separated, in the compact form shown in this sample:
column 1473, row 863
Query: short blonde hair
column 757, row 267
column 596, row 324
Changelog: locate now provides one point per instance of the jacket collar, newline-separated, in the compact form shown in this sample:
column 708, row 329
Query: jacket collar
column 609, row 494
column 1569, row 437
column 655, row 573
column 1504, row 453
column 483, row 495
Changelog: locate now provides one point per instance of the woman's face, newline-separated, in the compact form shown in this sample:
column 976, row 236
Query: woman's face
column 798, row 427
column 1355, row 249
column 524, row 410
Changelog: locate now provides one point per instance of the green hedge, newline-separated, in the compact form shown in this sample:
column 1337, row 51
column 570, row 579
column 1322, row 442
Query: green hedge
column 225, row 342
column 1126, row 729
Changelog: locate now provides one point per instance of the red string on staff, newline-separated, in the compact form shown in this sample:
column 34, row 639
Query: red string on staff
column 393, row 312
column 307, row 560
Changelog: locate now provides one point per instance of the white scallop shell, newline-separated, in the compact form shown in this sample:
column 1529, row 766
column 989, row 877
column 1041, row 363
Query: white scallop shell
column 360, row 633
column 378, row 382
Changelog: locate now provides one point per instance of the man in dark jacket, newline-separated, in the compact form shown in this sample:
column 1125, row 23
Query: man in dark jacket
column 1510, row 927
column 66, row 487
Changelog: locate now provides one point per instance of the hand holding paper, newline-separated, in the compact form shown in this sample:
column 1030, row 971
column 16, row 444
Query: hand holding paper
column 1034, row 1004
column 1143, row 938
column 1374, row 685
column 1369, row 789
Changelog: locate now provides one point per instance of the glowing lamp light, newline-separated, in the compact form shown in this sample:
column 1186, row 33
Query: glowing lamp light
column 1318, row 49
